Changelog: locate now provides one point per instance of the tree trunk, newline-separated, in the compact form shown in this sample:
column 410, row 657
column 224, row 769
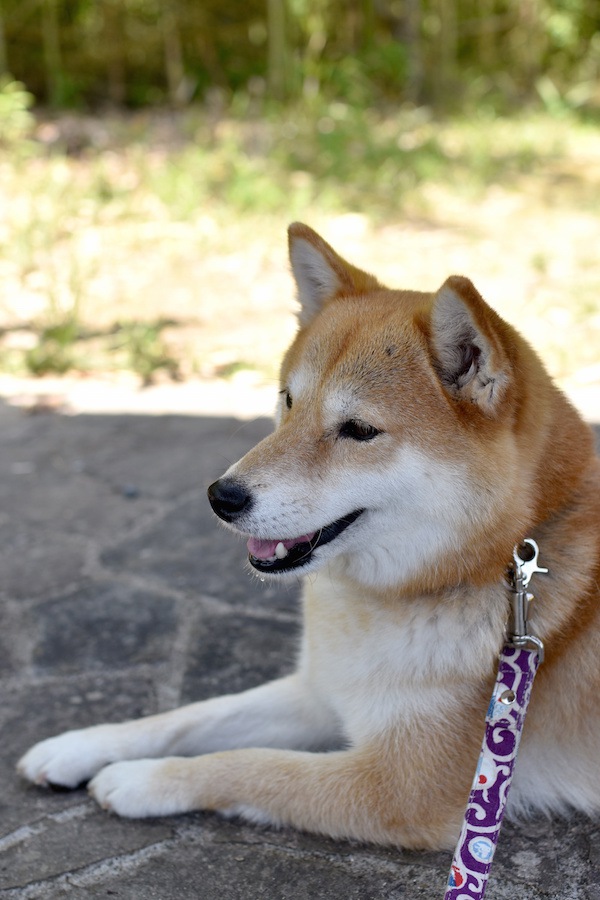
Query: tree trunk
column 414, row 73
column 530, row 52
column 115, row 51
column 486, row 38
column 52, row 54
column 444, row 72
column 276, row 77
column 3, row 50
column 173, row 55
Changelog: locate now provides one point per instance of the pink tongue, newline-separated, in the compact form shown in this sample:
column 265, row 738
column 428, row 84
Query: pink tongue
column 266, row 549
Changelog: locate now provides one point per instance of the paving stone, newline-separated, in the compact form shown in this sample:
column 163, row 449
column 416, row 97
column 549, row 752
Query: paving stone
column 118, row 593
column 35, row 710
column 58, row 499
column 163, row 456
column 36, row 563
column 237, row 651
column 203, row 861
column 190, row 551
column 547, row 857
column 76, row 837
column 14, row 640
column 102, row 625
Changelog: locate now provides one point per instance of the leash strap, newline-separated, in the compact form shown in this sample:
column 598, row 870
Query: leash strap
column 483, row 818
column 504, row 721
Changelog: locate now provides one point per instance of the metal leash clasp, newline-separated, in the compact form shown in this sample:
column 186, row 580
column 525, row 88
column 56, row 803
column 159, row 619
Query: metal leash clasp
column 520, row 576
column 474, row 852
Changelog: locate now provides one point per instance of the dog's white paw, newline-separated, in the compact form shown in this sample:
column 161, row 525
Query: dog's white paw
column 67, row 760
column 139, row 788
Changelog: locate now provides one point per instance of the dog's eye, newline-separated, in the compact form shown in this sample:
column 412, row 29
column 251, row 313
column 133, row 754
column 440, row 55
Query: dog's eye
column 358, row 431
column 288, row 398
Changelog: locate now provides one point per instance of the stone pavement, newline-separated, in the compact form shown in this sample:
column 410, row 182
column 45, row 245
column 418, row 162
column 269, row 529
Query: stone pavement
column 120, row 596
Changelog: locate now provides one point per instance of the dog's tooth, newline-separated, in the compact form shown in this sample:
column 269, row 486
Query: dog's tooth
column 280, row 551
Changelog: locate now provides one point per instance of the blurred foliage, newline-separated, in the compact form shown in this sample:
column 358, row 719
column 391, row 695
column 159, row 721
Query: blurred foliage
column 444, row 53
column 215, row 108
column 53, row 353
column 108, row 225
column 146, row 351
column 16, row 120
column 64, row 346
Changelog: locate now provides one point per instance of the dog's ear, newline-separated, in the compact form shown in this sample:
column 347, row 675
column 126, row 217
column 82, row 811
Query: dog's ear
column 320, row 273
column 469, row 357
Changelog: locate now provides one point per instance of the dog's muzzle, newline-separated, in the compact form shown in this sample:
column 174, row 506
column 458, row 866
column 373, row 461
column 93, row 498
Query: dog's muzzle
column 231, row 500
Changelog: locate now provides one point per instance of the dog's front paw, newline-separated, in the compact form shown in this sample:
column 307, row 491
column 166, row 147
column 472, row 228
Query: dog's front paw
column 143, row 787
column 68, row 760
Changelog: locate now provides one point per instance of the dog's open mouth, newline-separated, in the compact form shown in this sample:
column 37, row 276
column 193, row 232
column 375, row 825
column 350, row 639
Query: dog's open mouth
column 289, row 553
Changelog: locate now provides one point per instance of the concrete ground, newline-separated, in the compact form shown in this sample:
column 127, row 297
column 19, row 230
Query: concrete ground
column 120, row 596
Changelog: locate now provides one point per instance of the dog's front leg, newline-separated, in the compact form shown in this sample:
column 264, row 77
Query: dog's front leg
column 283, row 713
column 349, row 794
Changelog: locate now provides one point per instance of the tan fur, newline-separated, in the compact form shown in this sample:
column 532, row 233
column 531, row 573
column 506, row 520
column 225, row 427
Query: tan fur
column 397, row 663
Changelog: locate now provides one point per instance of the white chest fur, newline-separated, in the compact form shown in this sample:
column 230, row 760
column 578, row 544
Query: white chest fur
column 380, row 662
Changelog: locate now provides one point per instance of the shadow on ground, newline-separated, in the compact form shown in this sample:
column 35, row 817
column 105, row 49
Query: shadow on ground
column 121, row 596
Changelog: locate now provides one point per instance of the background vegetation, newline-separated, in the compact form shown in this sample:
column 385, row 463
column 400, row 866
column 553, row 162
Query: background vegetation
column 152, row 153
column 140, row 52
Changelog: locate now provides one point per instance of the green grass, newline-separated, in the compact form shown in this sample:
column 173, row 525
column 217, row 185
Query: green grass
column 105, row 257
column 344, row 158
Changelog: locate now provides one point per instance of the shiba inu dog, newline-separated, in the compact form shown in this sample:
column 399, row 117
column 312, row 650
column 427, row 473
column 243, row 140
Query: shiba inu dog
column 418, row 439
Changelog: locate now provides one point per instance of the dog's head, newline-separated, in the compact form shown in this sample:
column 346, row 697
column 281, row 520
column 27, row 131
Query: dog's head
column 409, row 434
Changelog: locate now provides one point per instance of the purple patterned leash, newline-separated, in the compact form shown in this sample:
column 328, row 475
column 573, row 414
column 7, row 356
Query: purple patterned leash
column 504, row 721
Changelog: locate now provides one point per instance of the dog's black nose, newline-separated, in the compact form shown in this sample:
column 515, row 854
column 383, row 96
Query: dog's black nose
column 229, row 498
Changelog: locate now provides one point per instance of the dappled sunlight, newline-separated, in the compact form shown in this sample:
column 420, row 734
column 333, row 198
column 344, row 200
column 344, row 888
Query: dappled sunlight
column 139, row 254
